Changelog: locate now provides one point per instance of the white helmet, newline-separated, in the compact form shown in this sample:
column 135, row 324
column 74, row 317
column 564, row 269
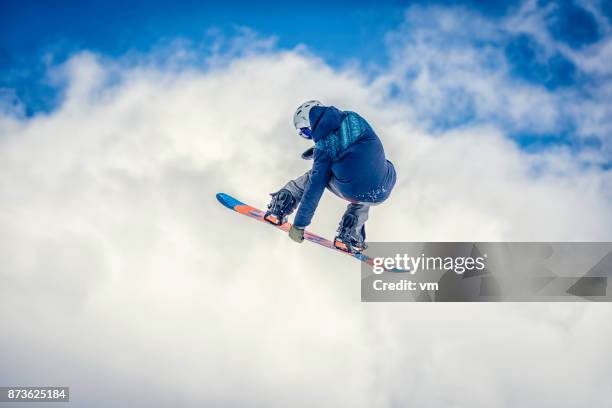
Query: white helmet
column 301, row 119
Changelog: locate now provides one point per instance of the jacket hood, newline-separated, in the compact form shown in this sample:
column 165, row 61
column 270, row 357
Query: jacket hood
column 324, row 120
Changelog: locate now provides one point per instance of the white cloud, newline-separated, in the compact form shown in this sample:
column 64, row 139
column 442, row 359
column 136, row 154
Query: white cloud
column 125, row 279
column 449, row 65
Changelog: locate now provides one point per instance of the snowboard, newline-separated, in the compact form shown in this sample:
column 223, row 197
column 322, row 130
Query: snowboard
column 252, row 212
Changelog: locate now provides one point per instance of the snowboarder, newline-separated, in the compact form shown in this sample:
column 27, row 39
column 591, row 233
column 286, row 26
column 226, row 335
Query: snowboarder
column 349, row 160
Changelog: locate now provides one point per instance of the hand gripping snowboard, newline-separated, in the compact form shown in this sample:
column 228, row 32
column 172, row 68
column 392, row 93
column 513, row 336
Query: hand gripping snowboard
column 252, row 212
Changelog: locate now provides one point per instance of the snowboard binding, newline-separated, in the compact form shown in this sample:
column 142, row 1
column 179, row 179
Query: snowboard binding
column 351, row 246
column 345, row 240
column 280, row 207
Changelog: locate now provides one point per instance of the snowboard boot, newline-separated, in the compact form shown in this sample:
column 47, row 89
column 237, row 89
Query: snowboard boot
column 280, row 207
column 348, row 239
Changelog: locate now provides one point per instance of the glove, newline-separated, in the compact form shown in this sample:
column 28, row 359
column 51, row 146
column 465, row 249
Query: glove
column 308, row 154
column 296, row 234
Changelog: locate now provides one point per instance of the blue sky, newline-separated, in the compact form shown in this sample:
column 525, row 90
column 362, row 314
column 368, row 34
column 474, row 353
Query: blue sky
column 37, row 34
column 337, row 31
column 31, row 29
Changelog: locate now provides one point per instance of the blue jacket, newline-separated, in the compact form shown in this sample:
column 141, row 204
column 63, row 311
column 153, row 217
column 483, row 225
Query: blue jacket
column 348, row 156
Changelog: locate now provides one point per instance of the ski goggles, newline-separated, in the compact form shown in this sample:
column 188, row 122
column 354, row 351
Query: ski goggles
column 305, row 132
